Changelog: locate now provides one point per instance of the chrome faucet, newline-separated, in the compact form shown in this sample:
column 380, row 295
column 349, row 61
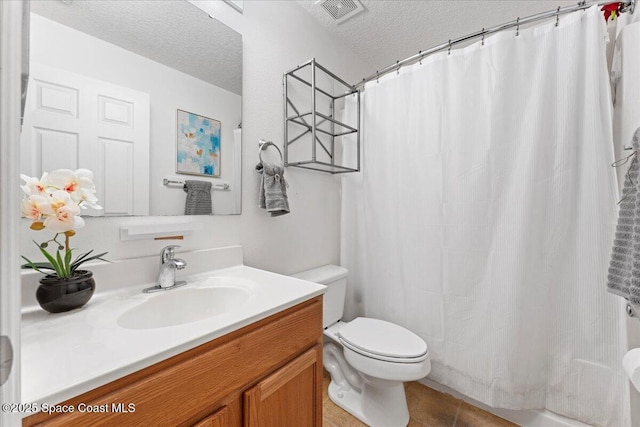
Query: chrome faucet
column 168, row 265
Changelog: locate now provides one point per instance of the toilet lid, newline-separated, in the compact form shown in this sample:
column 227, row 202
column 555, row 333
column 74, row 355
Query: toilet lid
column 384, row 340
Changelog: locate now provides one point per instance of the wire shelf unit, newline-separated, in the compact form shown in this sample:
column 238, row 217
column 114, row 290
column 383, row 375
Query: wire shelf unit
column 314, row 138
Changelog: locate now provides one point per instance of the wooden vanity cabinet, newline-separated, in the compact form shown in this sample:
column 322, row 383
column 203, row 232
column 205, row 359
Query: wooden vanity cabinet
column 268, row 373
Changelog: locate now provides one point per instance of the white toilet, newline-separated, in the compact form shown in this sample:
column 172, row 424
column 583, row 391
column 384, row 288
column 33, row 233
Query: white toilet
column 368, row 359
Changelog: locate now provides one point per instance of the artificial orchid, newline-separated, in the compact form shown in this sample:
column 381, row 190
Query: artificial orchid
column 54, row 202
column 34, row 185
column 78, row 184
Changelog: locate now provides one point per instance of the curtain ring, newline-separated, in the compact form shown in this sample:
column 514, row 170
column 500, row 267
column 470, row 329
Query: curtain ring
column 449, row 53
column 624, row 160
column 558, row 16
column 398, row 64
column 483, row 37
column 518, row 26
column 420, row 53
column 377, row 77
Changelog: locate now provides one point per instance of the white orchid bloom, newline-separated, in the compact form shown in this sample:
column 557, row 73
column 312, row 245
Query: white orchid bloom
column 89, row 199
column 63, row 179
column 65, row 215
column 65, row 219
column 78, row 184
column 34, row 185
column 35, row 207
column 61, row 198
column 86, row 194
column 85, row 177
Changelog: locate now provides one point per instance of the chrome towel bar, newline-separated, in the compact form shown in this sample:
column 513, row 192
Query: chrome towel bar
column 168, row 182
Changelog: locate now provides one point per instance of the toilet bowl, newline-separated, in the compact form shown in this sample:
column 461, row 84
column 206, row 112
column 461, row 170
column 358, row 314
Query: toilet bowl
column 368, row 359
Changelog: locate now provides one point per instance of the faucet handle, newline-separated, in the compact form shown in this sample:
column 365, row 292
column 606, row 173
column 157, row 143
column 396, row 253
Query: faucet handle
column 167, row 252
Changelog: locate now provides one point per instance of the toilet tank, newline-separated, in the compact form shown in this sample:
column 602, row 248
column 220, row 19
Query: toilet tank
column 335, row 279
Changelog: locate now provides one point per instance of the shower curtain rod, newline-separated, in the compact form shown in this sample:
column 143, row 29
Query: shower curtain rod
column 628, row 6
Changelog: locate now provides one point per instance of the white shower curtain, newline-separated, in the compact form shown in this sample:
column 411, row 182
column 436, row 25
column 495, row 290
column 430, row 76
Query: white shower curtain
column 484, row 214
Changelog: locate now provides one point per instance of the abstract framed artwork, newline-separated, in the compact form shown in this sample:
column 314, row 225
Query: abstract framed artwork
column 198, row 145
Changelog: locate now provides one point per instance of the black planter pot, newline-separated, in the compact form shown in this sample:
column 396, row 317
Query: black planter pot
column 57, row 295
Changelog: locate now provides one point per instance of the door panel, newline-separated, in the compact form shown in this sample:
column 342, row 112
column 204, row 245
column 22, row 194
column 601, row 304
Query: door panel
column 55, row 149
column 56, row 98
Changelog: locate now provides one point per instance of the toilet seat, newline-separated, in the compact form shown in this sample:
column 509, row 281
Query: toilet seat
column 383, row 340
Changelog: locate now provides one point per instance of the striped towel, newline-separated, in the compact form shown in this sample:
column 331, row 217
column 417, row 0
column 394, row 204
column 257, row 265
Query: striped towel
column 198, row 198
column 624, row 269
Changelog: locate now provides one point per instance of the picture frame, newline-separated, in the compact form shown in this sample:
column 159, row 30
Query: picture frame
column 198, row 140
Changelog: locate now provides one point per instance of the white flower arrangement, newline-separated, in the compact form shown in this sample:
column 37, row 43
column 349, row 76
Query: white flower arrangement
column 54, row 202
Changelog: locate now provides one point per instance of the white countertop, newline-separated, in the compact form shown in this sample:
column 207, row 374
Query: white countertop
column 67, row 354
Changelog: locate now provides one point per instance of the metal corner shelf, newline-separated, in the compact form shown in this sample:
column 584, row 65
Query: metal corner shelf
column 311, row 120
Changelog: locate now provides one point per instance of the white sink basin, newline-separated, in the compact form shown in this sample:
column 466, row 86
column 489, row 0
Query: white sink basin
column 183, row 305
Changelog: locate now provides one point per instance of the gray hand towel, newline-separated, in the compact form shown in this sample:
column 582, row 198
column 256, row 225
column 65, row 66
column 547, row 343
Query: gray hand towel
column 198, row 198
column 273, row 189
column 624, row 268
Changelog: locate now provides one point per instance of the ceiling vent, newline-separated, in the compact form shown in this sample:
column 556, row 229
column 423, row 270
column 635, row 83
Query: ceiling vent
column 341, row 10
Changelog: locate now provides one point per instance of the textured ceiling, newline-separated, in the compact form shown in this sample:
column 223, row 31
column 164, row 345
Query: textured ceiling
column 172, row 32
column 388, row 31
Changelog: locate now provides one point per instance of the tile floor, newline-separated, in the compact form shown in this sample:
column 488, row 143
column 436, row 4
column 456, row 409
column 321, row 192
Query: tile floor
column 428, row 408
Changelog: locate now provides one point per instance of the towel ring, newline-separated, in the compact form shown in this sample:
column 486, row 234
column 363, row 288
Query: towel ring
column 263, row 145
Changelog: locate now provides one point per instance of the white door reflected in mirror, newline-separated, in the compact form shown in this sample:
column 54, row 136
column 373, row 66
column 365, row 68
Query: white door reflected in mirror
column 73, row 122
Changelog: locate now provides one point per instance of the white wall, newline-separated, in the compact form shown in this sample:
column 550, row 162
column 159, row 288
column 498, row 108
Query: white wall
column 63, row 47
column 277, row 35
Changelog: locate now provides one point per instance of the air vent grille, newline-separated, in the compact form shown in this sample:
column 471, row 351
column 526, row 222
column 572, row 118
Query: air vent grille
column 341, row 10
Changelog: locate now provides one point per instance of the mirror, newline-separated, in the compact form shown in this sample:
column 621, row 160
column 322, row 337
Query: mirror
column 146, row 94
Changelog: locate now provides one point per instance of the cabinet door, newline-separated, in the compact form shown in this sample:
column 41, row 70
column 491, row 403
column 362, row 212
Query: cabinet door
column 219, row 418
column 291, row 396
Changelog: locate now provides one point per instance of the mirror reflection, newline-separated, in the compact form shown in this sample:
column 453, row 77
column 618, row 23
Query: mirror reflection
column 147, row 95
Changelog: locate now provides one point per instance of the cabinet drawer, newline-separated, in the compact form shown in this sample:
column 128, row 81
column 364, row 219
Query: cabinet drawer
column 185, row 388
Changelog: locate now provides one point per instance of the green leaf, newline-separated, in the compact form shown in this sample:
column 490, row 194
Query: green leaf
column 85, row 258
column 80, row 258
column 52, row 261
column 38, row 266
column 35, row 265
column 65, row 273
column 67, row 261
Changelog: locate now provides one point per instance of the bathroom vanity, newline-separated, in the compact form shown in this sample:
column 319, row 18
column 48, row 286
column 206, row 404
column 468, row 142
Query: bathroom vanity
column 258, row 364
